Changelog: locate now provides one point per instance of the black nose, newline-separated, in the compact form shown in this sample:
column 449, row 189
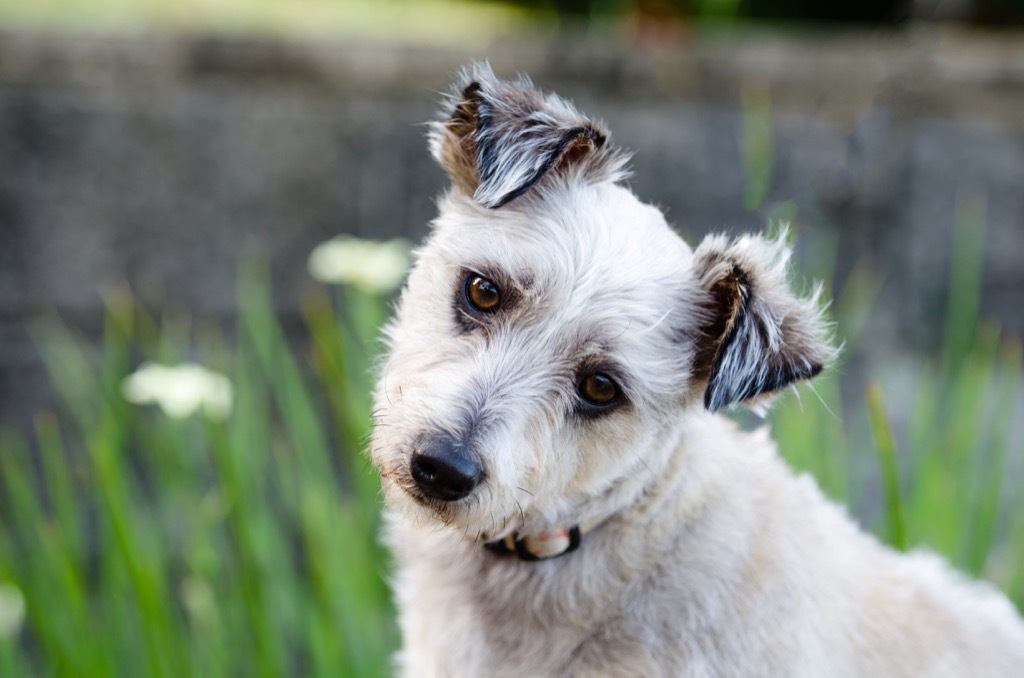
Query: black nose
column 444, row 471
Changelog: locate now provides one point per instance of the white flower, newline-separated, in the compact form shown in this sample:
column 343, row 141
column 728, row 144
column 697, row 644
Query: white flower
column 179, row 390
column 373, row 266
column 12, row 610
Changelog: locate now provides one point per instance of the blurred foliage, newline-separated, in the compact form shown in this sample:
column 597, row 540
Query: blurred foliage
column 945, row 481
column 792, row 10
column 468, row 22
column 876, row 12
column 150, row 546
column 942, row 483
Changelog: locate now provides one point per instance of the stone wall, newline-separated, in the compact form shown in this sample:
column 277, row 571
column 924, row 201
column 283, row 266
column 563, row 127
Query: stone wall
column 160, row 159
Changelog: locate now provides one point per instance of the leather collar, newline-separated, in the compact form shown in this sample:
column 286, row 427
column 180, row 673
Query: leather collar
column 542, row 546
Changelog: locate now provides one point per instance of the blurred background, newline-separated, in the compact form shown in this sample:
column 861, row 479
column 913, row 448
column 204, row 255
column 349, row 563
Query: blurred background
column 167, row 169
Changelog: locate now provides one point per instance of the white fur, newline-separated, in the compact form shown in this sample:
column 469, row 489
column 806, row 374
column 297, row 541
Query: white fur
column 710, row 557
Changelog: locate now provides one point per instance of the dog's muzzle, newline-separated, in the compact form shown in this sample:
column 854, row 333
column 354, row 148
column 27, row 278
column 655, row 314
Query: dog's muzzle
column 444, row 470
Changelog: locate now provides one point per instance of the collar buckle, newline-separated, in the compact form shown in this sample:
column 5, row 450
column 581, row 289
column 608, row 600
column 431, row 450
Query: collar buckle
column 543, row 546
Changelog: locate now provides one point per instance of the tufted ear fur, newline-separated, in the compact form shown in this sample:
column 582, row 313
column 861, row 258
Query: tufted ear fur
column 502, row 138
column 757, row 336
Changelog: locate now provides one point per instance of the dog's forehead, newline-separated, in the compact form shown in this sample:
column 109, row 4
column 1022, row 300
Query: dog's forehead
column 594, row 241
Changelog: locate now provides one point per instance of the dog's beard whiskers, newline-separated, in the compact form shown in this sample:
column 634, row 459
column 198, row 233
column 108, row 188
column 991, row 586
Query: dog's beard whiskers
column 387, row 391
column 368, row 466
column 507, row 516
column 522, row 514
column 814, row 390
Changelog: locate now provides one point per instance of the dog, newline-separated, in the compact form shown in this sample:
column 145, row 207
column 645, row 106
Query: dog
column 564, row 497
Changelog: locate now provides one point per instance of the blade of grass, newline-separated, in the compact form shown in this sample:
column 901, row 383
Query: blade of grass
column 348, row 406
column 298, row 411
column 895, row 530
column 1015, row 554
column 140, row 555
column 69, row 370
column 968, row 438
column 757, row 145
column 992, row 473
column 966, row 265
column 24, row 562
column 58, row 469
column 264, row 637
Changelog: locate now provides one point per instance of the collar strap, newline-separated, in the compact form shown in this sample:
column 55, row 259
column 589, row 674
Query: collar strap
column 543, row 546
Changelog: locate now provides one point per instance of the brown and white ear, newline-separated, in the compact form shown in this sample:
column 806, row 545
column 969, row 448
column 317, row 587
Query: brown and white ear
column 502, row 138
column 757, row 336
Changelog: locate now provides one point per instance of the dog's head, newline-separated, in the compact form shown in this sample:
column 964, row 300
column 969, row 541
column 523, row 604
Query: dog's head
column 555, row 334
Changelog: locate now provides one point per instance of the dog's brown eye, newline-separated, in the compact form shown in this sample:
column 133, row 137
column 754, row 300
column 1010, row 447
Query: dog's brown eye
column 598, row 389
column 482, row 294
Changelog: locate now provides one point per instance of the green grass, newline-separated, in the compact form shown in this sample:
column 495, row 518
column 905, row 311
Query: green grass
column 145, row 545
column 946, row 483
column 942, row 484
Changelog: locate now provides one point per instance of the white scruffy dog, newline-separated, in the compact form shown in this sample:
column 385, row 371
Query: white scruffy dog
column 563, row 499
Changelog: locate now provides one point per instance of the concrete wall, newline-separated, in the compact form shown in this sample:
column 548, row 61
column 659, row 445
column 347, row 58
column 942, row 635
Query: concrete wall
column 158, row 159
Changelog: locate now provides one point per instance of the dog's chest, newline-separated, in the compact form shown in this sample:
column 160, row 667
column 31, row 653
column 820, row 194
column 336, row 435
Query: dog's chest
column 486, row 614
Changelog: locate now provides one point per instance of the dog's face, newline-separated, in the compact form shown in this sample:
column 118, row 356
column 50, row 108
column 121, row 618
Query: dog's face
column 555, row 331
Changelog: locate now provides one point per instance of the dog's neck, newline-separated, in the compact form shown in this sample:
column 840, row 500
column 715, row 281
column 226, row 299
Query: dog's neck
column 560, row 541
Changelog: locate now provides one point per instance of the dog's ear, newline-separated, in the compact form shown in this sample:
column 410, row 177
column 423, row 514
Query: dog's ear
column 756, row 336
column 502, row 138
